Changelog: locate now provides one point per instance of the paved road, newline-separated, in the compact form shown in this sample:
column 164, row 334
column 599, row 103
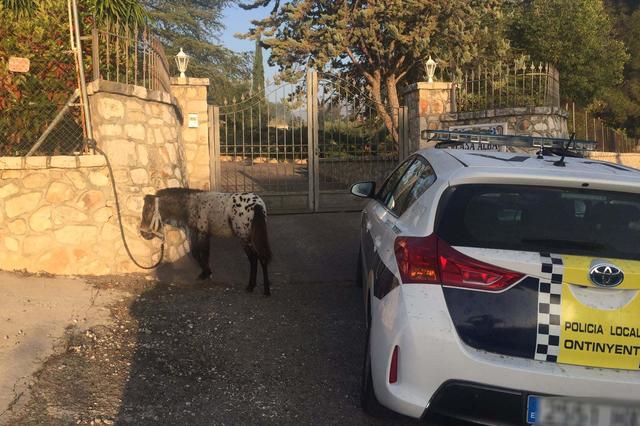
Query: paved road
column 34, row 312
column 187, row 352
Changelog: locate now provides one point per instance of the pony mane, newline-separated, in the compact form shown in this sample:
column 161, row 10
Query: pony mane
column 177, row 191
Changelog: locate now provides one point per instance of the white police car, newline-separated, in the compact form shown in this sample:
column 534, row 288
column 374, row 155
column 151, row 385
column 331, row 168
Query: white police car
column 496, row 282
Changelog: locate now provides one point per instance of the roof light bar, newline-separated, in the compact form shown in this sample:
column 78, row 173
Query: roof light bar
column 446, row 137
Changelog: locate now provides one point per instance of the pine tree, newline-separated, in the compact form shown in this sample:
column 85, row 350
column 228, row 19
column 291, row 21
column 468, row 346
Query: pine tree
column 258, row 69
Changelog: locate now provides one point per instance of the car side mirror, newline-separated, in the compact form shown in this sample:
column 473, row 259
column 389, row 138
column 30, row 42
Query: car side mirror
column 363, row 189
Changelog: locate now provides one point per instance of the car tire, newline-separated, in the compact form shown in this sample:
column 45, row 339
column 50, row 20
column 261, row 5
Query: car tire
column 359, row 273
column 369, row 401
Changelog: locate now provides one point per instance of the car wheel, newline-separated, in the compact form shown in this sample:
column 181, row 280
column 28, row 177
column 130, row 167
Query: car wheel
column 369, row 401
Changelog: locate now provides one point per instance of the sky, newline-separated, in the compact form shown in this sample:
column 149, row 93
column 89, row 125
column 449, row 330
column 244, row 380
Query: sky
column 238, row 20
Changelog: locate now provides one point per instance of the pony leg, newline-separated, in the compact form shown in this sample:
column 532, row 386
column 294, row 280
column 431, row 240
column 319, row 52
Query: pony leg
column 253, row 261
column 267, row 285
column 200, row 249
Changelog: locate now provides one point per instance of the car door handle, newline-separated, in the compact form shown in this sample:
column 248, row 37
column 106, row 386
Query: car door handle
column 368, row 225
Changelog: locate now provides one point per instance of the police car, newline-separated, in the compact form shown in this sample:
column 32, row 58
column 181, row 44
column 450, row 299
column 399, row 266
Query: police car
column 503, row 287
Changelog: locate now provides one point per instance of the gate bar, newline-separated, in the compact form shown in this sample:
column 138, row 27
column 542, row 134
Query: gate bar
column 214, row 148
column 311, row 137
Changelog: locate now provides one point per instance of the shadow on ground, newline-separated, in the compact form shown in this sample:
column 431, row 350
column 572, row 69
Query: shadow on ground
column 208, row 352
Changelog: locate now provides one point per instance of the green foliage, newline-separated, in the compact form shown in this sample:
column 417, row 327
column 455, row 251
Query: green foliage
column 125, row 11
column 258, row 69
column 195, row 26
column 577, row 36
column 620, row 105
column 28, row 101
column 18, row 8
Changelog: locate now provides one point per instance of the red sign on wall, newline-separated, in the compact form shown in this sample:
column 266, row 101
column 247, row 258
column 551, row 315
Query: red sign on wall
column 17, row 64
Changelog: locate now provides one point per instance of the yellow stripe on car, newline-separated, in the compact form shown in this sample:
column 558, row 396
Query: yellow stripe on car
column 576, row 271
column 600, row 327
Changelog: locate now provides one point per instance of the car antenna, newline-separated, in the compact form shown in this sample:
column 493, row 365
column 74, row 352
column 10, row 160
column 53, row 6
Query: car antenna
column 560, row 162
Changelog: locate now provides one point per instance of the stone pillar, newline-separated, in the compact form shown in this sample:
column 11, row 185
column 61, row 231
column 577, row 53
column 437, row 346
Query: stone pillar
column 191, row 94
column 426, row 103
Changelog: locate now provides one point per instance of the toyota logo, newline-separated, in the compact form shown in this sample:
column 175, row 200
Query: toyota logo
column 606, row 275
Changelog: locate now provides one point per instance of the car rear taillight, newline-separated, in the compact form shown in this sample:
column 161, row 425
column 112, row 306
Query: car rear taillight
column 429, row 260
column 417, row 259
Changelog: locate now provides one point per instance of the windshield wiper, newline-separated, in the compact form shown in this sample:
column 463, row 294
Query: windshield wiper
column 550, row 242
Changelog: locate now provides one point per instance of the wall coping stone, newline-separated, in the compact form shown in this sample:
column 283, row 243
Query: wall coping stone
column 423, row 85
column 492, row 113
column 52, row 162
column 142, row 93
column 189, row 81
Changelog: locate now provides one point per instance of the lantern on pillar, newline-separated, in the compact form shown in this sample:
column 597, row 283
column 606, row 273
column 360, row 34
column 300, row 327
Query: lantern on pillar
column 182, row 61
column 430, row 66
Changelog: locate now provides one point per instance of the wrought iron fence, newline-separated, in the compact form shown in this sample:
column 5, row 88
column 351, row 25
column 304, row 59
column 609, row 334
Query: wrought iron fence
column 129, row 55
column 506, row 85
column 264, row 138
column 588, row 126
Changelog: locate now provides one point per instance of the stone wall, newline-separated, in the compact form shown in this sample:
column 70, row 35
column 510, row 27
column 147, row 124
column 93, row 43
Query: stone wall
column 139, row 130
column 57, row 215
column 631, row 159
column 533, row 121
column 431, row 106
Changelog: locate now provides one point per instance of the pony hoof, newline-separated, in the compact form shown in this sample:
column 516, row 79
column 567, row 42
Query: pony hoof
column 249, row 289
column 204, row 276
column 267, row 293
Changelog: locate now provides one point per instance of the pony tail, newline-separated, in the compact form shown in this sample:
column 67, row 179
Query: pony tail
column 259, row 236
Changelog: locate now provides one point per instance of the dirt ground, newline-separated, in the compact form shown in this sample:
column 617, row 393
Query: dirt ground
column 179, row 351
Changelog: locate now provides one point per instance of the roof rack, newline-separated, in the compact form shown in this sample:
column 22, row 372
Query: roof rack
column 447, row 138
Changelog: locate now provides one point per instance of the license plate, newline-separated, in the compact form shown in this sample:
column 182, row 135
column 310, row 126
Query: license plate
column 558, row 411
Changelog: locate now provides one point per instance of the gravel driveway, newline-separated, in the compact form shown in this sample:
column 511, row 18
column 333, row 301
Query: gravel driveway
column 186, row 352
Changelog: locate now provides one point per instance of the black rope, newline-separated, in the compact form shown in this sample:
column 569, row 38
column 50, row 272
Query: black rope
column 92, row 144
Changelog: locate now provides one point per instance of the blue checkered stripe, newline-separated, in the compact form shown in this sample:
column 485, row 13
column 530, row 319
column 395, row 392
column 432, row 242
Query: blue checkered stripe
column 549, row 308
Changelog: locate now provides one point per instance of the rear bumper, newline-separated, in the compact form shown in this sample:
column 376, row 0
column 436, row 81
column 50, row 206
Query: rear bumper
column 480, row 403
column 431, row 356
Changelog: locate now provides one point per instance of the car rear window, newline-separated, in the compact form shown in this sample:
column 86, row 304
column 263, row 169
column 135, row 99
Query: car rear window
column 529, row 218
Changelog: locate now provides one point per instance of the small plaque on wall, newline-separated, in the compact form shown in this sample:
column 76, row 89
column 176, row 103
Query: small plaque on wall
column 193, row 120
column 17, row 64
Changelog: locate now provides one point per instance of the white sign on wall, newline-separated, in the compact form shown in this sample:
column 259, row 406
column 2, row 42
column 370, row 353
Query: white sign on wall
column 18, row 64
column 193, row 120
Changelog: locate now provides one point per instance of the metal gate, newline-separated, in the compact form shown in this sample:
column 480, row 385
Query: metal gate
column 301, row 144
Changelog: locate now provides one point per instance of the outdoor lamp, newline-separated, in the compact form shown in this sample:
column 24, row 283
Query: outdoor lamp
column 182, row 61
column 430, row 66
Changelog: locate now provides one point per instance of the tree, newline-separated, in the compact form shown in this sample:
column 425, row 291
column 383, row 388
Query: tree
column 195, row 26
column 381, row 44
column 258, row 69
column 577, row 36
column 126, row 11
column 620, row 105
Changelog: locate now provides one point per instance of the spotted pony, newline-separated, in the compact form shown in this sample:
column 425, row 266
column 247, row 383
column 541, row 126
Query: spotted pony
column 212, row 214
